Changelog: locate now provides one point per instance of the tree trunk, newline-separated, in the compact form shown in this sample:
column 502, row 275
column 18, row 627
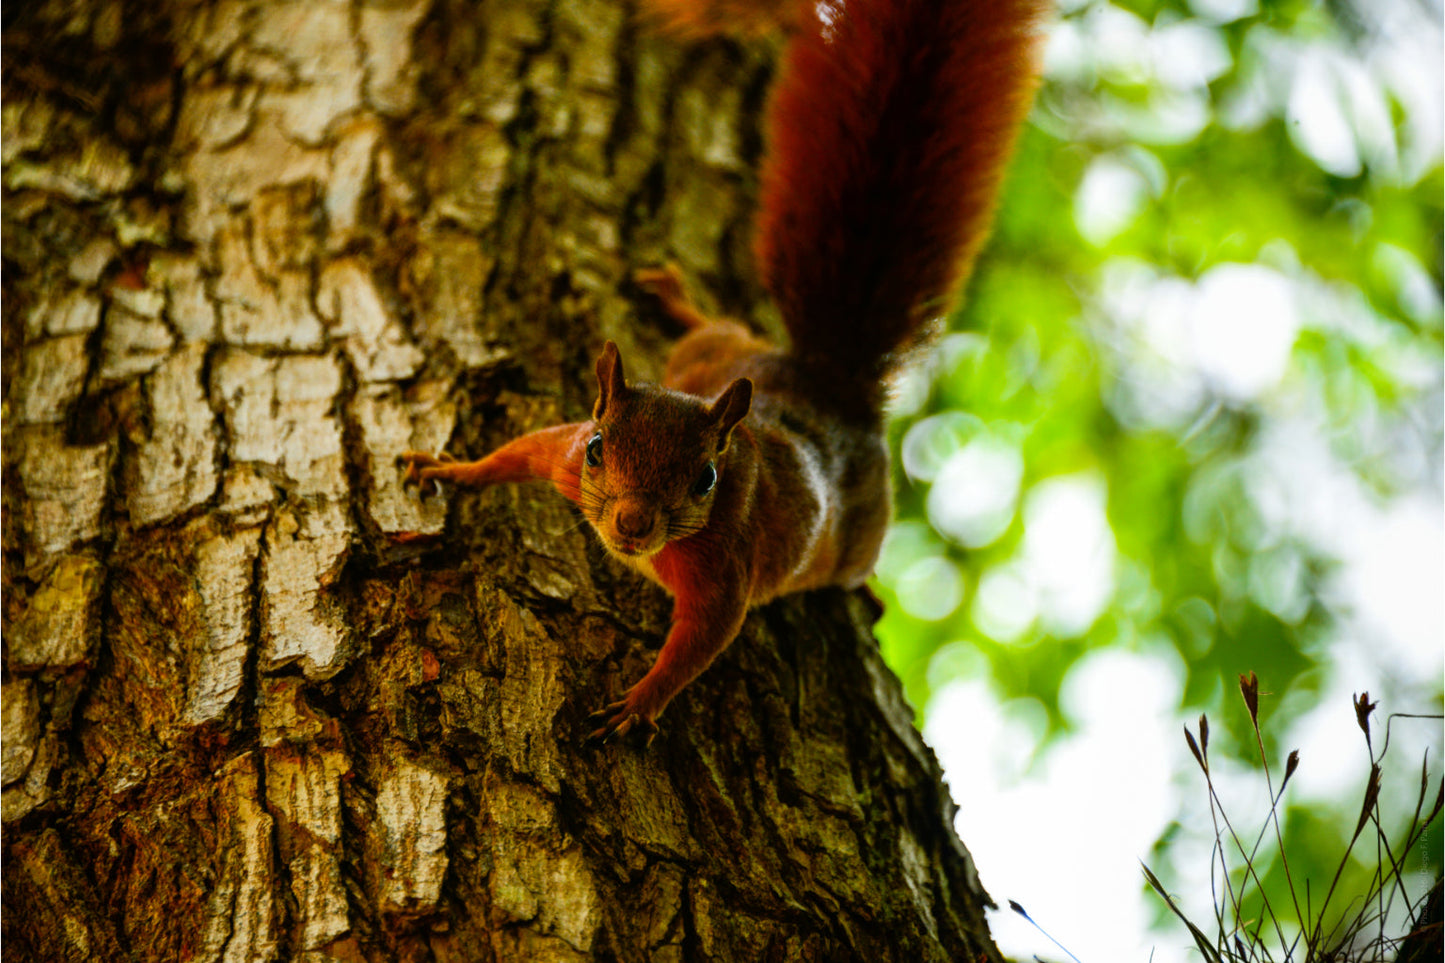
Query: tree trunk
column 252, row 251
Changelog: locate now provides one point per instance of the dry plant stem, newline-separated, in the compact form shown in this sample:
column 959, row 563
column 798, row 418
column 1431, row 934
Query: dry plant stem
column 1370, row 815
column 1381, row 878
column 1013, row 905
column 1273, row 818
column 1344, row 859
column 1216, row 858
column 1403, row 715
column 1386, row 883
column 1216, row 811
column 1239, row 922
column 1398, row 882
column 1209, row 952
column 1412, row 836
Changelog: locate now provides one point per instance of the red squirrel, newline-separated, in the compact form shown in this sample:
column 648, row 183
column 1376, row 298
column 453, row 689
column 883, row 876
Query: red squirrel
column 754, row 470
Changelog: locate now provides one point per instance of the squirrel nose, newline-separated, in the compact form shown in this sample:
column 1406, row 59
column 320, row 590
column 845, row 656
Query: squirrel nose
column 634, row 521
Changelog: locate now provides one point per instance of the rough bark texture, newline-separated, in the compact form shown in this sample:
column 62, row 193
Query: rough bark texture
column 253, row 250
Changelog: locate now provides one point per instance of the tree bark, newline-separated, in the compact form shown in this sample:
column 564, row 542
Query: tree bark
column 253, row 250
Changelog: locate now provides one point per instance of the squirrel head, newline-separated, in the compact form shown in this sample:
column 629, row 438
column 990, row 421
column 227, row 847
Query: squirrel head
column 652, row 467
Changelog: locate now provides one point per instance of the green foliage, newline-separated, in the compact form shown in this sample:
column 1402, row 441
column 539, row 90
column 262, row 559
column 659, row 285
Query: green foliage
column 1168, row 187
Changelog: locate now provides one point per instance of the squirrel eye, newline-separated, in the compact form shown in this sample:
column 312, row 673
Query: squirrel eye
column 705, row 481
column 594, row 450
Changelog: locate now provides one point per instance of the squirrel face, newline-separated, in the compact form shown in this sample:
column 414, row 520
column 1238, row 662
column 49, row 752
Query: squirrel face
column 651, row 470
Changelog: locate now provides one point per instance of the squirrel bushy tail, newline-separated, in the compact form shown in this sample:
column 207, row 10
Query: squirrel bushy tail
column 888, row 134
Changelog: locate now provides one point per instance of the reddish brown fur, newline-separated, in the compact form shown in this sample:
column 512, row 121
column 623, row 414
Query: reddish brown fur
column 889, row 133
column 888, row 136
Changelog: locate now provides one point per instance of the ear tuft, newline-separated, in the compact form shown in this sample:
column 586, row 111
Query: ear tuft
column 730, row 408
column 611, row 384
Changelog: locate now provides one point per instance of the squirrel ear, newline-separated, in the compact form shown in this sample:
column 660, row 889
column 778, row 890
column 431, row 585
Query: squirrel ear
column 610, row 382
column 730, row 408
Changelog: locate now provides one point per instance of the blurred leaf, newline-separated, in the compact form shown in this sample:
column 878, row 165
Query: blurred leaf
column 1087, row 357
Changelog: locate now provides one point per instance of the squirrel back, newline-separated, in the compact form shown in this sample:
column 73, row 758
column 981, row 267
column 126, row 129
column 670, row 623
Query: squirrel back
column 888, row 134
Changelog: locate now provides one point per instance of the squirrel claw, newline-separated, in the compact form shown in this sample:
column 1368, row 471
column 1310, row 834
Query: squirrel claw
column 421, row 471
column 618, row 720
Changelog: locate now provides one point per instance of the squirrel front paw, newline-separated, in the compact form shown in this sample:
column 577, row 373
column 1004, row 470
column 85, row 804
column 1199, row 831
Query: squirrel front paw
column 621, row 717
column 423, row 471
